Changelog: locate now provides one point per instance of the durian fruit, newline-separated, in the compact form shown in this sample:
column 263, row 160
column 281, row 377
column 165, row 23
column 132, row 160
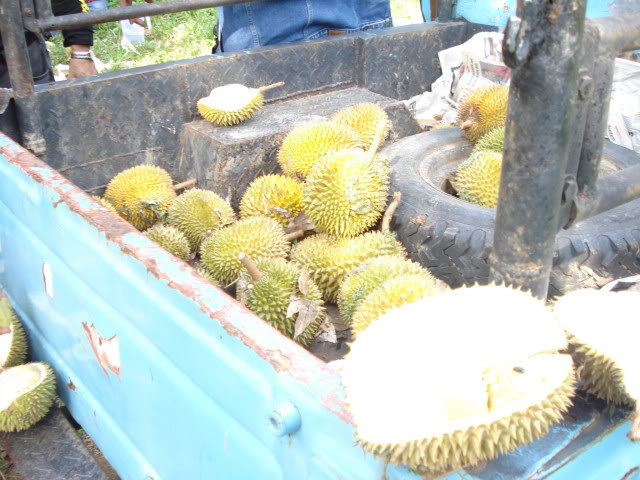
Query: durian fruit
column 203, row 272
column 26, row 395
column 197, row 213
column 255, row 236
column 142, row 194
column 106, row 204
column 603, row 331
column 330, row 259
column 232, row 104
column 345, row 192
column 482, row 110
column 477, row 179
column 171, row 239
column 369, row 275
column 364, row 118
column 13, row 341
column 390, row 294
column 467, row 375
column 307, row 143
column 271, row 288
column 441, row 125
column 492, row 141
column 275, row 196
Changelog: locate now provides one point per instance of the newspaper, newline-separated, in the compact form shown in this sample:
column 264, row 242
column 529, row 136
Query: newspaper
column 478, row 62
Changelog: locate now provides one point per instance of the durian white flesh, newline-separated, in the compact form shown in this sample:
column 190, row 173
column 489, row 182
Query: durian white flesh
column 603, row 328
column 13, row 341
column 26, row 395
column 467, row 374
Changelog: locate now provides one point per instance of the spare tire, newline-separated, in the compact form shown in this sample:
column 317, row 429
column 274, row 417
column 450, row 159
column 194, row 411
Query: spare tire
column 453, row 238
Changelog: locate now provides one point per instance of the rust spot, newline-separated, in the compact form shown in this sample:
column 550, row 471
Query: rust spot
column 629, row 473
column 418, row 220
column 57, row 202
column 107, row 351
column 71, row 385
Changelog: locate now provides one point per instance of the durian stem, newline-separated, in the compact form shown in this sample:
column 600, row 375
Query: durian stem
column 388, row 214
column 296, row 234
column 466, row 124
column 377, row 140
column 187, row 183
column 248, row 263
column 269, row 87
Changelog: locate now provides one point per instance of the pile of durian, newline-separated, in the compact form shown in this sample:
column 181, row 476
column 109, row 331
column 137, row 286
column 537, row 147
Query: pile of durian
column 312, row 235
column 476, row 372
column 481, row 117
column 27, row 390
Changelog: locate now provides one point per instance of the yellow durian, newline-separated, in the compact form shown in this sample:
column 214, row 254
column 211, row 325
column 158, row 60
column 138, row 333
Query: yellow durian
column 482, row 110
column 275, row 196
column 477, row 179
column 365, row 119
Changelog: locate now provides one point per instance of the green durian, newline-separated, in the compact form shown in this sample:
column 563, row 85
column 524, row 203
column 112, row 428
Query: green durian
column 13, row 341
column 482, row 110
column 364, row 118
column 255, row 236
column 369, row 275
column 171, row 239
column 330, row 259
column 275, row 196
column 345, row 193
column 492, row 141
column 106, row 204
column 279, row 284
column 197, row 213
column 477, row 179
column 26, row 395
column 142, row 195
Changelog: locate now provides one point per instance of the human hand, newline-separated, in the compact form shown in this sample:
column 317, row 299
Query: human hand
column 137, row 21
column 81, row 67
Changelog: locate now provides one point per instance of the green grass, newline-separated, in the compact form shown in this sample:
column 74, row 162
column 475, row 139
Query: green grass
column 178, row 36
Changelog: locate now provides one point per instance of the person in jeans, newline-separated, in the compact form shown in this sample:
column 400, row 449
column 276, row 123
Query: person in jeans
column 269, row 22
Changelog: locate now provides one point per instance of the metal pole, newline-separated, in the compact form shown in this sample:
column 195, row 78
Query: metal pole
column 540, row 46
column 15, row 47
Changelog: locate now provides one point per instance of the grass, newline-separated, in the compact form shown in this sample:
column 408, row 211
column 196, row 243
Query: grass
column 178, row 36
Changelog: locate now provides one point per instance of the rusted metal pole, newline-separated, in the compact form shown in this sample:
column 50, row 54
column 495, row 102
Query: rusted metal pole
column 15, row 47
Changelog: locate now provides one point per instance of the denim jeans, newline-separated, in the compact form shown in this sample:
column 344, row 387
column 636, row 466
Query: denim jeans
column 249, row 25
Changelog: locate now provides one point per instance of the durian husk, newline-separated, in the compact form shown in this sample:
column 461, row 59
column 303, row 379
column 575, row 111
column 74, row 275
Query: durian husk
column 330, row 259
column 270, row 296
column 230, row 104
column 106, row 204
column 468, row 374
column 197, row 213
column 275, row 196
column 13, row 345
column 255, row 236
column 203, row 272
column 492, row 141
column 26, row 395
column 482, row 110
column 142, row 194
column 345, row 193
column 307, row 143
column 391, row 293
column 477, row 179
column 171, row 239
column 365, row 119
column 368, row 276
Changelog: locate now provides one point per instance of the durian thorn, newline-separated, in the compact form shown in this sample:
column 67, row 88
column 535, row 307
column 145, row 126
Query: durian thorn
column 388, row 214
column 296, row 234
column 248, row 263
column 187, row 183
column 269, row 87
column 377, row 139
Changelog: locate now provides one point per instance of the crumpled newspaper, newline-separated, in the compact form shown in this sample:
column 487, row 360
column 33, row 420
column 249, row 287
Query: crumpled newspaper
column 623, row 125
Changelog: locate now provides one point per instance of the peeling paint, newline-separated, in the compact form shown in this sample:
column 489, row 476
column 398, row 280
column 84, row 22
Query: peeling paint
column 106, row 350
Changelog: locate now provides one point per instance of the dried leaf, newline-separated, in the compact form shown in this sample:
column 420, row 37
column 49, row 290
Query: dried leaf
column 303, row 282
column 327, row 332
column 362, row 208
column 244, row 289
column 300, row 222
column 307, row 310
column 285, row 213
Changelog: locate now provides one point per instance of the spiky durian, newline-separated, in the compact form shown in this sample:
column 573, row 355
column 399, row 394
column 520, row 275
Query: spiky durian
column 13, row 341
column 439, row 126
column 232, row 104
column 345, row 192
column 142, row 194
column 26, row 395
column 477, row 179
column 197, row 213
column 270, row 295
column 171, row 239
column 392, row 293
column 364, row 118
column 329, row 259
column 255, row 236
column 441, row 410
column 606, row 353
column 203, row 272
column 369, row 275
column 105, row 203
column 483, row 110
column 492, row 141
column 307, row 143
column 275, row 196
